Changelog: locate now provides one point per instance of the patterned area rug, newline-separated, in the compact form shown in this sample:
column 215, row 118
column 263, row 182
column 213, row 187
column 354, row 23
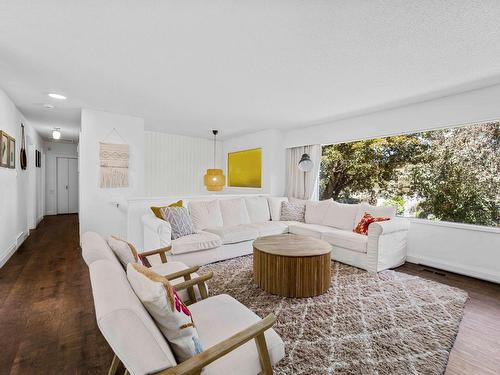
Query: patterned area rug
column 390, row 323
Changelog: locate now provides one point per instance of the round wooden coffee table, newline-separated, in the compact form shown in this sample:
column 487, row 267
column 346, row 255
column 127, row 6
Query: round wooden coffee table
column 292, row 266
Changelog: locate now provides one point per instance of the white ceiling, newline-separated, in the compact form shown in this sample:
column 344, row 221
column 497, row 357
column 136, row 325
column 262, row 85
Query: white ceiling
column 240, row 66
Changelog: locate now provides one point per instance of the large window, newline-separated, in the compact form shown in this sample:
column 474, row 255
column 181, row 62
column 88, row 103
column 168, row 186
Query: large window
column 450, row 174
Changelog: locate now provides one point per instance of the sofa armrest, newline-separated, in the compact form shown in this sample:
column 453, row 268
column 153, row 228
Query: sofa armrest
column 157, row 232
column 387, row 244
column 389, row 226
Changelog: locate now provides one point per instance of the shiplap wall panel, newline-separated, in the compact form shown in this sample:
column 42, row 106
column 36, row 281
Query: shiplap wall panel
column 176, row 164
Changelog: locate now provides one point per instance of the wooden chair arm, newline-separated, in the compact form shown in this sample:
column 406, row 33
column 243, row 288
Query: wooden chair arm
column 196, row 281
column 195, row 364
column 175, row 275
column 161, row 252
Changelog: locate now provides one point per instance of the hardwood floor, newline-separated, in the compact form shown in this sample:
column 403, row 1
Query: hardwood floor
column 47, row 320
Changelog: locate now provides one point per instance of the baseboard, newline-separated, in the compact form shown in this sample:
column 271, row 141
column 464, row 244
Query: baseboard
column 10, row 251
column 476, row 272
column 49, row 213
column 21, row 237
column 38, row 220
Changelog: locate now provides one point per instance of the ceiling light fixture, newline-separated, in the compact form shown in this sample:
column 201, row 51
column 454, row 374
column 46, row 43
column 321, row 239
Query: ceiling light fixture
column 56, row 134
column 53, row 95
column 214, row 178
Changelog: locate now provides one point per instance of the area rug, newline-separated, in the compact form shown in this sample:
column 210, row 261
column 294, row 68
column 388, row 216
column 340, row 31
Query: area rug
column 389, row 323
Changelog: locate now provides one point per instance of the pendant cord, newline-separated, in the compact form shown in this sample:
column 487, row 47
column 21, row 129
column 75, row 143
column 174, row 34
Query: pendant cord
column 214, row 148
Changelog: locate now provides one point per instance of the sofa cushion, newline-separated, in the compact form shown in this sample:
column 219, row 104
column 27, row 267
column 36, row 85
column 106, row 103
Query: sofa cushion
column 124, row 251
column 235, row 233
column 234, row 212
column 205, row 214
column 312, row 230
column 202, row 240
column 181, row 223
column 218, row 318
column 316, row 211
column 258, row 209
column 346, row 239
column 270, row 228
column 275, row 207
column 171, row 315
column 168, row 268
column 375, row 211
column 341, row 216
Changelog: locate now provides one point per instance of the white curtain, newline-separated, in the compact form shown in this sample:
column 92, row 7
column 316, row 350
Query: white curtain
column 302, row 185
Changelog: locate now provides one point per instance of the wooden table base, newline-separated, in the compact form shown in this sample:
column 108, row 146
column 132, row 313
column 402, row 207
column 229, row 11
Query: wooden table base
column 298, row 276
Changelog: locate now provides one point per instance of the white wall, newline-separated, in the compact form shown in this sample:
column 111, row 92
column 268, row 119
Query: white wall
column 53, row 150
column 97, row 213
column 273, row 160
column 468, row 107
column 18, row 192
column 176, row 164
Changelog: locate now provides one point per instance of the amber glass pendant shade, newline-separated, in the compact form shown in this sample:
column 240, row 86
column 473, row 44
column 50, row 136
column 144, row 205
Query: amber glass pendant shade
column 214, row 179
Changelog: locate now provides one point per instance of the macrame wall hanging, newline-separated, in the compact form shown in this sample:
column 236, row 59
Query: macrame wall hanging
column 114, row 164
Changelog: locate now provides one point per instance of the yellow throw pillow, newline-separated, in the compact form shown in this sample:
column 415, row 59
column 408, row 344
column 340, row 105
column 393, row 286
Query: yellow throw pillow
column 157, row 210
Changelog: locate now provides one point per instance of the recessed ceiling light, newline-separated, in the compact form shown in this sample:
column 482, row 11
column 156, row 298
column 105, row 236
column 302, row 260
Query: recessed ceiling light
column 53, row 95
column 48, row 106
column 56, row 134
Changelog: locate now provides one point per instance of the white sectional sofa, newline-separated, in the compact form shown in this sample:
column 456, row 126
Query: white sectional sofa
column 227, row 228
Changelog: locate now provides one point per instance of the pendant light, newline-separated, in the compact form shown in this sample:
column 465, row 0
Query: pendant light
column 214, row 178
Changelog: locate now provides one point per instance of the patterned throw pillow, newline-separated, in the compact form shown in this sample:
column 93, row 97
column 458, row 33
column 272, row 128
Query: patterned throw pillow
column 179, row 220
column 157, row 210
column 173, row 318
column 125, row 251
column 366, row 220
column 292, row 211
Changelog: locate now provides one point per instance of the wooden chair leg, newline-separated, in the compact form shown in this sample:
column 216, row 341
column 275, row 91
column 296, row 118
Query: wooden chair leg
column 126, row 372
column 114, row 365
column 190, row 290
column 265, row 361
column 202, row 287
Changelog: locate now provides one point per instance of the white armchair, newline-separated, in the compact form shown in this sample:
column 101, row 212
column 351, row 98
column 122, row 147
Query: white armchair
column 387, row 244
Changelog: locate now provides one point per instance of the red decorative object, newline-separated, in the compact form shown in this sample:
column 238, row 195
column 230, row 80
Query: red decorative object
column 366, row 220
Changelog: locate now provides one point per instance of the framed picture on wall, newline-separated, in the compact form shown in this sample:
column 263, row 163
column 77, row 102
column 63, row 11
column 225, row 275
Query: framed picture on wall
column 12, row 153
column 4, row 149
column 245, row 168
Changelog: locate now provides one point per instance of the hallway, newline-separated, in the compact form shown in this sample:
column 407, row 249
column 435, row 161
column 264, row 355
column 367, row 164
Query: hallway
column 47, row 315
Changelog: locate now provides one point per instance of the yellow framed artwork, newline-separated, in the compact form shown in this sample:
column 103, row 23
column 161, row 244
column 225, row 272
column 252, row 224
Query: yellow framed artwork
column 244, row 168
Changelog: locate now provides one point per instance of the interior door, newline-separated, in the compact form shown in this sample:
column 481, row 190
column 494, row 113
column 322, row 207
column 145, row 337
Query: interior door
column 72, row 186
column 62, row 186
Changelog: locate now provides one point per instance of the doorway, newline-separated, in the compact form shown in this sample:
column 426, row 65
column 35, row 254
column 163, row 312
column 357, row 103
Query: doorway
column 67, row 185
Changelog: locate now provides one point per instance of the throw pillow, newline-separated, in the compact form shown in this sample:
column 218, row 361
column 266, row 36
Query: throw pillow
column 157, row 210
column 375, row 211
column 275, row 206
column 367, row 219
column 125, row 251
column 173, row 318
column 292, row 211
column 179, row 220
